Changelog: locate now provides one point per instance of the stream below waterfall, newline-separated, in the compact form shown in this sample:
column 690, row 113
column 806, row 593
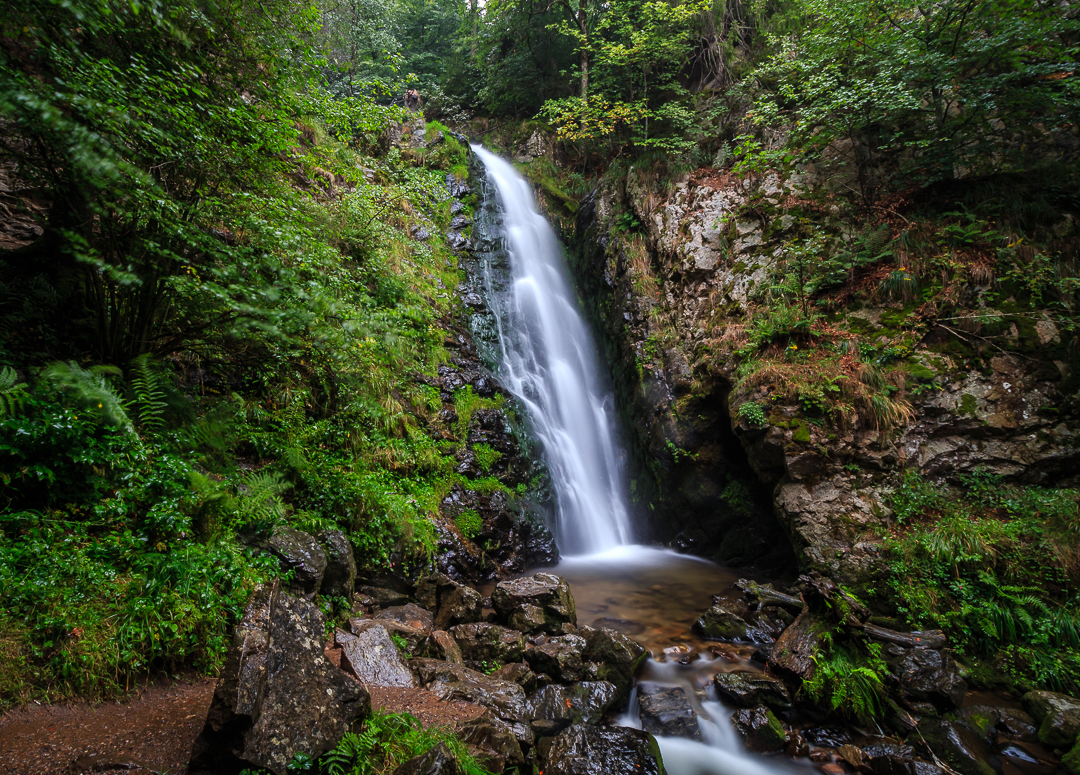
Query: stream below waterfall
column 546, row 357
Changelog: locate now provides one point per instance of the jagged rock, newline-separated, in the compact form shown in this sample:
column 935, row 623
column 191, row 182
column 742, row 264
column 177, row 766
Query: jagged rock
column 409, row 614
column 377, row 597
column 453, row 603
column 460, row 221
column 582, row 703
column 416, row 641
column 749, row 690
column 959, row 746
column 519, row 673
column 482, row 642
column 446, row 648
column 1058, row 716
column 618, row 656
column 457, row 241
column 665, row 710
column 437, row 761
column 456, row 682
column 278, row 694
column 558, row 657
column 588, row 750
column 875, row 747
column 456, row 188
column 931, row 675
column 538, row 603
column 718, row 623
column 793, row 653
column 760, row 729
column 374, row 659
column 492, row 742
column 340, row 577
column 300, row 553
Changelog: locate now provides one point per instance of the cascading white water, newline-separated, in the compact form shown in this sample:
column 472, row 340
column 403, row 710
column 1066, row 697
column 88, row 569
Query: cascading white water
column 548, row 362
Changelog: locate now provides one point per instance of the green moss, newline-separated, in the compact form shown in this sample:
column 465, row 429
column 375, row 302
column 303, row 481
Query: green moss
column 968, row 404
column 469, row 523
column 1071, row 760
column 921, row 372
column 486, row 457
column 800, row 431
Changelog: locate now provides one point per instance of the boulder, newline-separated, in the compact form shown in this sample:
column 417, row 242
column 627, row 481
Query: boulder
column 1058, row 716
column 589, row 750
column 748, row 690
column 617, row 655
column 409, row 614
column 446, row 648
column 504, row 699
column 482, row 642
column 1071, row 760
column 519, row 673
column 378, row 597
column 793, row 653
column 558, row 657
column 665, row 710
column 417, row 641
column 453, row 603
column 278, row 695
column 1012, row 723
column 492, row 742
column 437, row 761
column 300, row 553
column 718, row 623
column 373, row 658
column 534, row 604
column 932, row 676
column 340, row 577
column 582, row 703
column 959, row 746
column 760, row 729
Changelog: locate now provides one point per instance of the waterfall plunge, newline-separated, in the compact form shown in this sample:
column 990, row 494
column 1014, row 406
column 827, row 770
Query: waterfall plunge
column 548, row 361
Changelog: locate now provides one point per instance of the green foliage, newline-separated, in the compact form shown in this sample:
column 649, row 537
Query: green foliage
column 850, row 681
column 753, row 414
column 469, row 523
column 12, row 391
column 914, row 497
column 389, row 739
column 486, row 457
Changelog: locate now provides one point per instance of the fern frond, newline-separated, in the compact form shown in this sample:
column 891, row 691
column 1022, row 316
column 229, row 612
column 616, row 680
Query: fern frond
column 12, row 392
column 92, row 389
column 149, row 396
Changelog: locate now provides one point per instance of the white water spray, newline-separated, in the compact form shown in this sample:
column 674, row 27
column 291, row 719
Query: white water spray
column 548, row 362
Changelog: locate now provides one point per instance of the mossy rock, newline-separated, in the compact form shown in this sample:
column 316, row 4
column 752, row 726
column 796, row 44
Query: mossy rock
column 1071, row 760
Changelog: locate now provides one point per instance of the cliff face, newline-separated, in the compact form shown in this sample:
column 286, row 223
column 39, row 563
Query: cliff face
column 679, row 282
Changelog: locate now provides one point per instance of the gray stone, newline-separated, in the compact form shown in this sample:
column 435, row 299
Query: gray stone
column 278, row 694
column 519, row 673
column 931, row 675
column 340, row 577
column 492, row 742
column 538, row 603
column 666, row 710
column 558, row 657
column 374, row 659
column 618, row 655
column 409, row 614
column 446, row 648
column 1058, row 716
column 793, row 653
column 482, row 642
column 504, row 699
column 588, row 750
column 718, row 623
column 437, row 761
column 453, row 603
column 749, row 690
column 300, row 553
column 377, row 597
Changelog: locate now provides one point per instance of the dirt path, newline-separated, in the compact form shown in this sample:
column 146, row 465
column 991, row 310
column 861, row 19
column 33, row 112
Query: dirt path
column 151, row 733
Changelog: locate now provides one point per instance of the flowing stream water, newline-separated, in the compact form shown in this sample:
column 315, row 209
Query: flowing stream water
column 548, row 360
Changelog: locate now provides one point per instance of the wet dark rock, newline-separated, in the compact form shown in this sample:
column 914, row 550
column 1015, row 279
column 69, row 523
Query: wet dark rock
column 538, row 603
column 875, row 747
column 931, row 675
column 445, row 647
column 457, row 207
column 1012, row 723
column 827, row 737
column 765, row 595
column 506, row 700
column 760, row 729
column 373, row 658
column 559, row 657
column 340, row 577
column 437, row 761
column 278, row 694
column 460, row 221
column 420, row 233
column 453, row 603
column 666, row 710
column 899, row 765
column 720, row 623
column 481, row 642
column 519, row 673
column 409, row 614
column 456, row 240
column 793, row 653
column 928, row 639
column 617, row 655
column 456, row 188
column 1058, row 716
column 749, row 690
column 959, row 746
column 589, row 750
column 582, row 703
column 300, row 553
column 377, row 597
column 492, row 742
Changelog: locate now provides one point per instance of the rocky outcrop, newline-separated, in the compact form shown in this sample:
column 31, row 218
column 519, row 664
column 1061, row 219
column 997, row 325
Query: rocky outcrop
column 299, row 554
column 340, row 577
column 278, row 694
column 1058, row 716
column 557, row 707
column 750, row 690
column 534, row 604
column 588, row 750
column 666, row 710
column 759, row 729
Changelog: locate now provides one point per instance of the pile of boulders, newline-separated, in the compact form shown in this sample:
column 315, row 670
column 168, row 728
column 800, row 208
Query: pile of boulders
column 927, row 728
column 539, row 684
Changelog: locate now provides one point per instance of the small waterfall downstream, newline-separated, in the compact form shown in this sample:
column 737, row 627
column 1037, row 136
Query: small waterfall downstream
column 547, row 359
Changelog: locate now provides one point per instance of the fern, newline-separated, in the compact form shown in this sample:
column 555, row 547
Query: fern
column 92, row 389
column 12, row 392
column 149, row 397
column 259, row 506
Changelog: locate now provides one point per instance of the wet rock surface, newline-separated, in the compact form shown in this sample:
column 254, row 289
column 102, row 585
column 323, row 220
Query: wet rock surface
column 582, row 703
column 760, row 729
column 749, row 690
column 300, row 553
column 589, row 750
column 372, row 658
column 278, row 694
column 437, row 761
column 960, row 746
column 453, row 602
column 559, row 657
column 666, row 710
column 618, row 656
column 793, row 653
column 340, row 577
column 534, row 604
column 491, row 643
column 718, row 623
column 505, row 699
column 931, row 675
column 1058, row 716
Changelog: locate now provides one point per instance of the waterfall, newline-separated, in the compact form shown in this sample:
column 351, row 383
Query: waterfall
column 547, row 359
